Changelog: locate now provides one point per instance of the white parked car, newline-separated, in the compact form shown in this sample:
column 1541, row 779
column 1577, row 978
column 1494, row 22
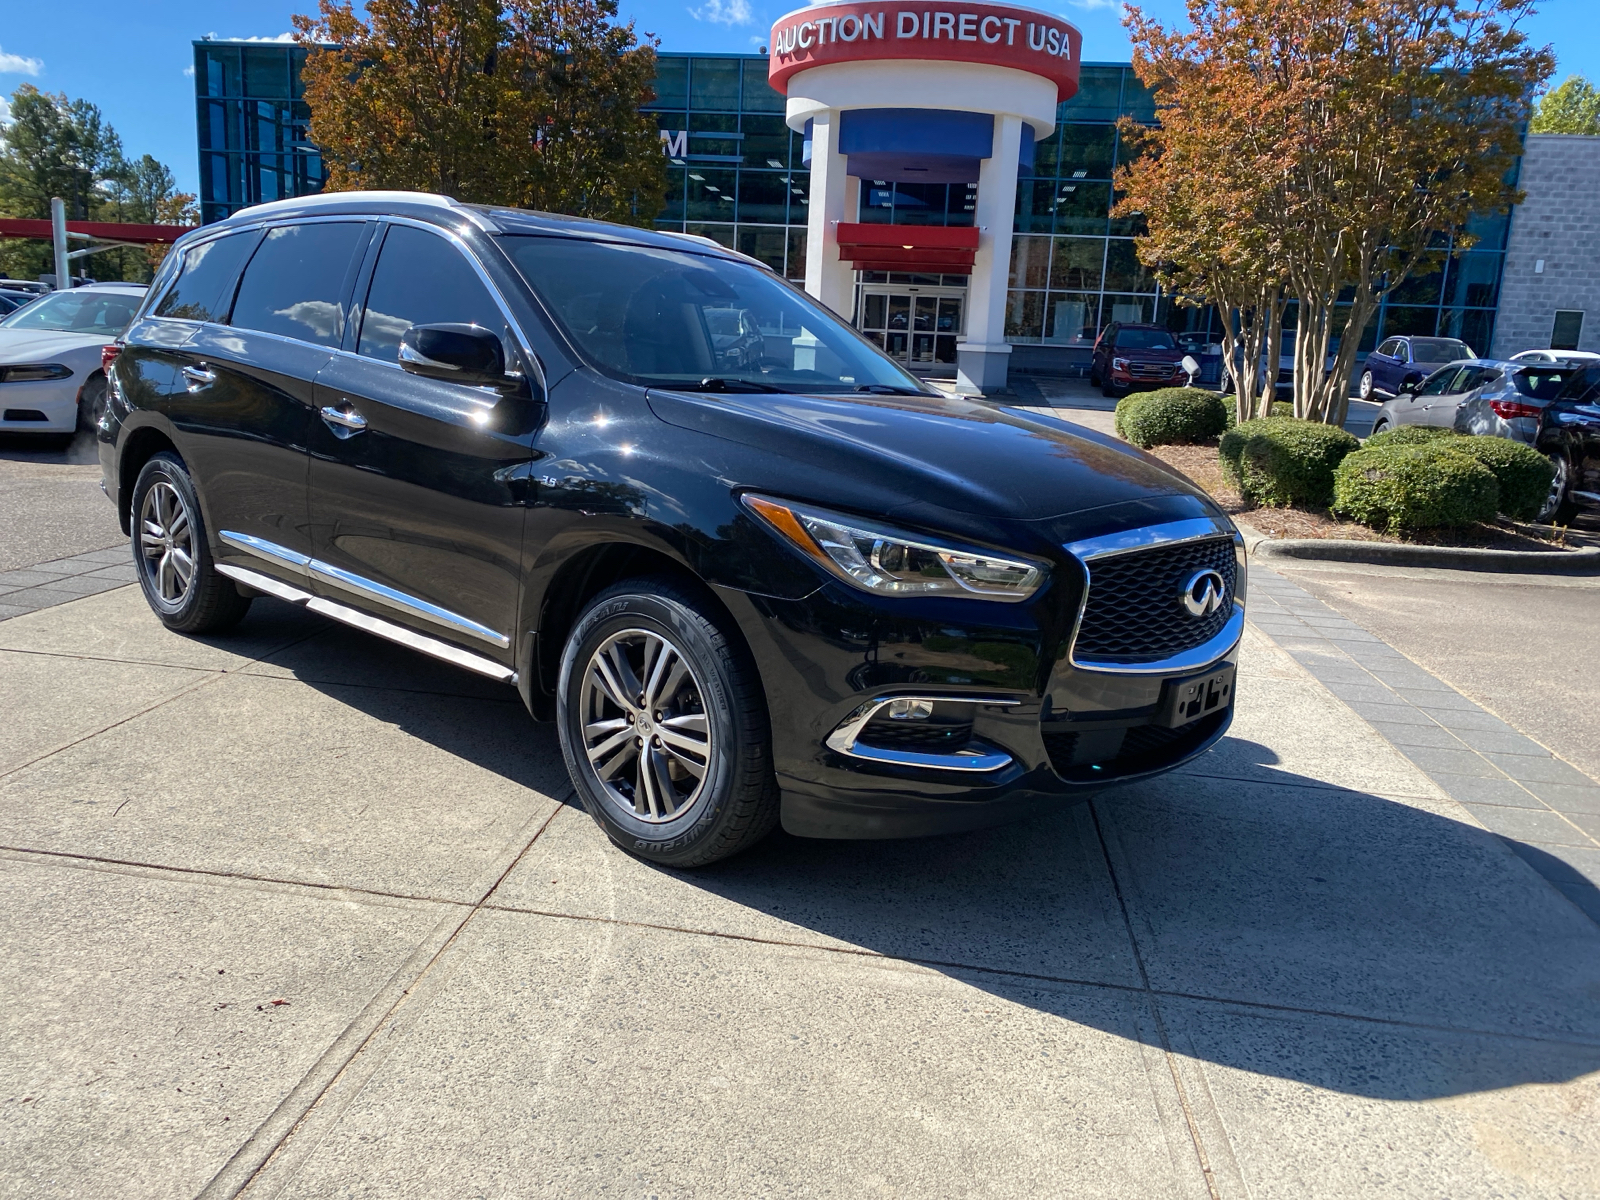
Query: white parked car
column 1577, row 358
column 52, row 379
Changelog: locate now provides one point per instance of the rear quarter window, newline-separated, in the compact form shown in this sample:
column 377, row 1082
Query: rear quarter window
column 204, row 284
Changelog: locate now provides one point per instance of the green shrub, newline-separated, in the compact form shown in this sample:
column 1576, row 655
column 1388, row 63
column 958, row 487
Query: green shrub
column 1408, row 435
column 1399, row 489
column 1170, row 416
column 1279, row 460
column 1280, row 408
column 1523, row 473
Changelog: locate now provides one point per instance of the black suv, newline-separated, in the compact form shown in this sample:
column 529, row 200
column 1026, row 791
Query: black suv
column 752, row 569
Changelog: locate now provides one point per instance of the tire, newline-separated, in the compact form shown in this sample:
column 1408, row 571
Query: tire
column 719, row 795
column 1094, row 377
column 169, row 533
column 1365, row 389
column 1379, row 427
column 1558, row 508
column 92, row 402
column 1112, row 393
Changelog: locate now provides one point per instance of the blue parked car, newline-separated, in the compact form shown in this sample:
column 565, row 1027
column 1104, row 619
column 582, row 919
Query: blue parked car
column 1401, row 363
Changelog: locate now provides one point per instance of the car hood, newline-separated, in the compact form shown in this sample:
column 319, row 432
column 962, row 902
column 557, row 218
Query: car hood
column 45, row 345
column 903, row 453
column 1164, row 356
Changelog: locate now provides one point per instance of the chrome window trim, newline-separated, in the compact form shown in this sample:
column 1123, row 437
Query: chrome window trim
column 1171, row 533
column 360, row 620
column 843, row 739
column 314, row 568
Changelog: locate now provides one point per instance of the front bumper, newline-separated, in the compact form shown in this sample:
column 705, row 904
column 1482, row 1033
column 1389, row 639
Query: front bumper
column 1020, row 720
column 51, row 405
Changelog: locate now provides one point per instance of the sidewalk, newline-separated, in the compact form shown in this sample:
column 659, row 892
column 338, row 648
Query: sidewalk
column 296, row 913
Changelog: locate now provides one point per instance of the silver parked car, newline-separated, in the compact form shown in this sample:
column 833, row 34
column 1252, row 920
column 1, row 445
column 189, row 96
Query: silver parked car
column 1480, row 390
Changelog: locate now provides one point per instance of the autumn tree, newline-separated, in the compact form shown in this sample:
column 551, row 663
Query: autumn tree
column 1376, row 128
column 531, row 103
column 1571, row 107
column 1194, row 181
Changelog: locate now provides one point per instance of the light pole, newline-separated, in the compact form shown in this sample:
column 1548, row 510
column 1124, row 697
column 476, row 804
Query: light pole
column 58, row 234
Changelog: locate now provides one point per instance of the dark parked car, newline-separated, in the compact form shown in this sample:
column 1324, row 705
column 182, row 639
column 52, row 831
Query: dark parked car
column 1400, row 364
column 808, row 589
column 1134, row 356
column 1569, row 435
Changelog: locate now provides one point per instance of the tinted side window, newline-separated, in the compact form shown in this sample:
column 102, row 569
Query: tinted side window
column 421, row 279
column 1389, row 349
column 208, row 270
column 294, row 285
column 1582, row 388
column 1439, row 382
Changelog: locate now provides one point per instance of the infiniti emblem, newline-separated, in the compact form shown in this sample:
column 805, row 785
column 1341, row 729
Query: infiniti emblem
column 1204, row 593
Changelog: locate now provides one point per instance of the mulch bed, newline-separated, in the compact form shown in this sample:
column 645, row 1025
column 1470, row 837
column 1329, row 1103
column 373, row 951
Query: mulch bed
column 1200, row 463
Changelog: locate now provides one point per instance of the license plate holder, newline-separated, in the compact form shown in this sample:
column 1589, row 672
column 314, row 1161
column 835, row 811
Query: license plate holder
column 1185, row 700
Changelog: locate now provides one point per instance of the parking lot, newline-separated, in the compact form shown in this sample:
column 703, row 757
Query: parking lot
column 298, row 913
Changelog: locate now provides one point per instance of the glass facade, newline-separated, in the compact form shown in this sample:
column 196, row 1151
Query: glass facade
column 735, row 175
column 251, row 126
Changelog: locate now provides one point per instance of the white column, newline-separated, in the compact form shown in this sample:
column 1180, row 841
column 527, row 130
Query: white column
column 982, row 359
column 827, row 278
column 58, row 234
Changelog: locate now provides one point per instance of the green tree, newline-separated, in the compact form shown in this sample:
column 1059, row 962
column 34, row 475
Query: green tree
column 533, row 103
column 54, row 146
column 1571, row 107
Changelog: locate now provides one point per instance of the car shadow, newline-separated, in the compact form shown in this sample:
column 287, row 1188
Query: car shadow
column 1240, row 913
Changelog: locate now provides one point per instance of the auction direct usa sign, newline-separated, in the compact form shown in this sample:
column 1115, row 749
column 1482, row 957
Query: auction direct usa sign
column 996, row 34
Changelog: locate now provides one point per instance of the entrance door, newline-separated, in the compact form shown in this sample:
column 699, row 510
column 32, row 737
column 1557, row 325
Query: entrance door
column 916, row 327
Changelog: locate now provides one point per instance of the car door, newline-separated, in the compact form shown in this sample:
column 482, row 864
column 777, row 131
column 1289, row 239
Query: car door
column 247, row 404
column 1440, row 409
column 415, row 510
column 1410, row 408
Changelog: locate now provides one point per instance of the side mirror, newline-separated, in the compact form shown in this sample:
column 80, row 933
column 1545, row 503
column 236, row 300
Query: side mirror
column 467, row 354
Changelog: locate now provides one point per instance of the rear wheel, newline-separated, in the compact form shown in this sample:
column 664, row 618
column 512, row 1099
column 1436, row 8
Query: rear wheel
column 1366, row 387
column 663, row 725
column 171, row 554
column 1094, row 377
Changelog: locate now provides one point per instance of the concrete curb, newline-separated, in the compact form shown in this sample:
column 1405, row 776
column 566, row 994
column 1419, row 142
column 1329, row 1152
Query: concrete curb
column 1584, row 561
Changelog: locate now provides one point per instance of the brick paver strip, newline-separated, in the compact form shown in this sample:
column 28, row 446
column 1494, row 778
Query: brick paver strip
column 1543, row 808
column 46, row 584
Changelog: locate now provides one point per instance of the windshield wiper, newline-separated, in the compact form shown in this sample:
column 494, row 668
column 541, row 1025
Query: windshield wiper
column 884, row 389
column 723, row 383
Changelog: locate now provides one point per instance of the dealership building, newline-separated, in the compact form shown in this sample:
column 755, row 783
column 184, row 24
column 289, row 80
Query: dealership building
column 945, row 178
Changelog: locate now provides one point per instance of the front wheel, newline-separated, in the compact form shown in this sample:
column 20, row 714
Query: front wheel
column 663, row 725
column 172, row 557
column 92, row 402
column 1366, row 386
column 1558, row 508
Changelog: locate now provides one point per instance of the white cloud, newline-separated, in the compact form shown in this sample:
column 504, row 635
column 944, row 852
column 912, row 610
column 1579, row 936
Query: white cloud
column 15, row 64
column 5, row 112
column 1097, row 5
column 724, row 12
column 289, row 37
column 188, row 72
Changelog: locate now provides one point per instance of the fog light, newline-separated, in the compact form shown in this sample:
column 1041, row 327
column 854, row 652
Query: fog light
column 909, row 710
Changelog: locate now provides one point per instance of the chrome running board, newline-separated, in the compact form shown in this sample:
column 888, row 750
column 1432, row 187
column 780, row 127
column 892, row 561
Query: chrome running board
column 360, row 620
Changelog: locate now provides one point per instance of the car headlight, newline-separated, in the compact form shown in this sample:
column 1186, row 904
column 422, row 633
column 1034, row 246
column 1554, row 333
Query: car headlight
column 1119, row 364
column 33, row 372
column 889, row 562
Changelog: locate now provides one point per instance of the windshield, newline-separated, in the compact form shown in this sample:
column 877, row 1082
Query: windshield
column 1439, row 350
column 1541, row 383
column 674, row 318
column 101, row 313
column 1144, row 339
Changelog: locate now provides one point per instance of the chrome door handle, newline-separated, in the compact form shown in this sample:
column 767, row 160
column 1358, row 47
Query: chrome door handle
column 199, row 377
column 344, row 423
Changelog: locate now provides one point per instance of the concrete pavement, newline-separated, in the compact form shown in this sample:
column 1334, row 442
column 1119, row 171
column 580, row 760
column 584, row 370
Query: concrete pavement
column 1296, row 968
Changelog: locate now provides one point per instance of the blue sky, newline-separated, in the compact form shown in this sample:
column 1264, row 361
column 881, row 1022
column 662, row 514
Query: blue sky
column 131, row 58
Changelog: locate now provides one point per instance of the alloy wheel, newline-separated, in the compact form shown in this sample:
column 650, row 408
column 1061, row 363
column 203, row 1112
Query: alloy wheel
column 166, row 543
column 1366, row 385
column 1558, row 488
column 645, row 730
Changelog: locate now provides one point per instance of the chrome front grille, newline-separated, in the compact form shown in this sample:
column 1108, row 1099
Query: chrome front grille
column 1134, row 617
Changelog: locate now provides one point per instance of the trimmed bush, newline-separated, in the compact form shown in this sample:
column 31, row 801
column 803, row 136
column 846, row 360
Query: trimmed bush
column 1280, row 460
column 1407, row 435
column 1523, row 473
column 1280, row 408
column 1171, row 416
column 1400, row 489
